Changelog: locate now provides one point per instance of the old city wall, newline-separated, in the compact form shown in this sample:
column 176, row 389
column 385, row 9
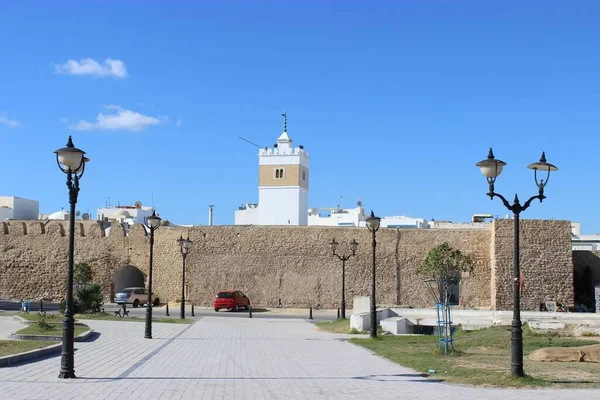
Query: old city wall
column 33, row 256
column 293, row 264
column 546, row 262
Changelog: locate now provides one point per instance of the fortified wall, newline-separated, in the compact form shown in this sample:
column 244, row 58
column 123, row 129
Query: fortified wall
column 293, row 264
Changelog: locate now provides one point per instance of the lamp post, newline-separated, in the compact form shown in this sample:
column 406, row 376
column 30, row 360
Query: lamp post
column 71, row 161
column 373, row 225
column 185, row 245
column 353, row 246
column 152, row 223
column 491, row 168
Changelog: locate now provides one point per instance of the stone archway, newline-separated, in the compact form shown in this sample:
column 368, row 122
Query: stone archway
column 128, row 276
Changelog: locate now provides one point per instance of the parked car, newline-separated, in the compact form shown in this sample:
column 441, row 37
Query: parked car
column 232, row 300
column 135, row 296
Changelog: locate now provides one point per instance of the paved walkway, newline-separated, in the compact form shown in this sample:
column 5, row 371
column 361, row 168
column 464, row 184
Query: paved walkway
column 232, row 358
column 8, row 325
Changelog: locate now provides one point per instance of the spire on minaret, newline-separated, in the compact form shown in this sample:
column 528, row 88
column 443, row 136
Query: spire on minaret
column 284, row 115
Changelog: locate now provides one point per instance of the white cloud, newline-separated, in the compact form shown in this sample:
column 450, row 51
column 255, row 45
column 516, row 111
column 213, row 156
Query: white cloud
column 8, row 122
column 178, row 123
column 89, row 66
column 119, row 119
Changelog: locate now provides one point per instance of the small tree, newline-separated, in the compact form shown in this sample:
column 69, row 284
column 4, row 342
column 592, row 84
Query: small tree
column 82, row 274
column 445, row 266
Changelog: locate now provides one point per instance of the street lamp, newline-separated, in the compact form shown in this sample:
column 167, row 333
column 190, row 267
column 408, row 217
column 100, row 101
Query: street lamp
column 71, row 161
column 491, row 169
column 152, row 223
column 353, row 245
column 373, row 225
column 185, row 245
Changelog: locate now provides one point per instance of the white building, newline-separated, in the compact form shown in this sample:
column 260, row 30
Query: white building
column 61, row 215
column 130, row 215
column 337, row 216
column 583, row 242
column 12, row 207
column 356, row 217
column 282, row 186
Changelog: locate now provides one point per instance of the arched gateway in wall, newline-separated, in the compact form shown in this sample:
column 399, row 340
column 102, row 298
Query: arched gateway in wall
column 128, row 276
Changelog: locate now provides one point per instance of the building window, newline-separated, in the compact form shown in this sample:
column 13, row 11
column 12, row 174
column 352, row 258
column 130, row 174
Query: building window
column 277, row 174
column 303, row 175
column 281, row 173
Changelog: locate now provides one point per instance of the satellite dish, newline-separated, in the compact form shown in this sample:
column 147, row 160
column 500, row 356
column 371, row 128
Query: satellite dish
column 85, row 216
column 77, row 213
column 138, row 205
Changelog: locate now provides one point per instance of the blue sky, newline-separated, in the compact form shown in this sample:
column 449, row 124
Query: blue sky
column 395, row 101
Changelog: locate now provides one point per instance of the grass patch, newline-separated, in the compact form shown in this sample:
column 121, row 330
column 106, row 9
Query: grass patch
column 483, row 359
column 340, row 325
column 10, row 347
column 108, row 317
column 38, row 316
column 52, row 330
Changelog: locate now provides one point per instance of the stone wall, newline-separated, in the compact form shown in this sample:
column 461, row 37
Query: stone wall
column 293, row 264
column 545, row 260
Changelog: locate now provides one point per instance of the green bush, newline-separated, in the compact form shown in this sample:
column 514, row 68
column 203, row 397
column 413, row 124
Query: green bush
column 88, row 299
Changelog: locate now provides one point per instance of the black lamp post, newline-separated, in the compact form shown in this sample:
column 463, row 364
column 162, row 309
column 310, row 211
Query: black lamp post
column 491, row 169
column 152, row 223
column 71, row 161
column 185, row 245
column 353, row 246
column 373, row 225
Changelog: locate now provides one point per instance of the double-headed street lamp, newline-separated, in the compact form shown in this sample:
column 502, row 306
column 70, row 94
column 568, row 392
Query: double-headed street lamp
column 491, row 169
column 185, row 245
column 373, row 225
column 152, row 223
column 71, row 161
column 353, row 246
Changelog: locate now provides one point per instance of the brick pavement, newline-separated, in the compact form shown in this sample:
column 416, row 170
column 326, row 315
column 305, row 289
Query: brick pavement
column 233, row 358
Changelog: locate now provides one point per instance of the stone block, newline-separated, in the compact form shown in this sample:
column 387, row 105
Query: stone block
column 545, row 325
column 397, row 325
column 587, row 330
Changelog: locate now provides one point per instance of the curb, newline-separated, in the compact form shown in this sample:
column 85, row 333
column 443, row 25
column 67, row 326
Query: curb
column 28, row 322
column 80, row 338
column 7, row 361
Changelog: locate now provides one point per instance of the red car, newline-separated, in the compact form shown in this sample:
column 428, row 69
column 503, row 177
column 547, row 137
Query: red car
column 232, row 300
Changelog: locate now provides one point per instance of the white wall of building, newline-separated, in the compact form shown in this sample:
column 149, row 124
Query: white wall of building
column 248, row 215
column 19, row 208
column 337, row 217
column 6, row 213
column 280, row 205
column 283, row 156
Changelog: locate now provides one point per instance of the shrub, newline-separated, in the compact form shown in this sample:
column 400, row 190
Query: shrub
column 88, row 299
column 42, row 323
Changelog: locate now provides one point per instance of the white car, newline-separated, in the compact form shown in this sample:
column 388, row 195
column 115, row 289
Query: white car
column 135, row 296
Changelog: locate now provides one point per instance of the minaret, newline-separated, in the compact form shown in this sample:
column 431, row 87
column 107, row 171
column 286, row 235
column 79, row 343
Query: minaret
column 283, row 182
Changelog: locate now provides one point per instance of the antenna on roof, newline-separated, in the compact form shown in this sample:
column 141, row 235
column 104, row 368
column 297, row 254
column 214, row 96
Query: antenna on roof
column 252, row 143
